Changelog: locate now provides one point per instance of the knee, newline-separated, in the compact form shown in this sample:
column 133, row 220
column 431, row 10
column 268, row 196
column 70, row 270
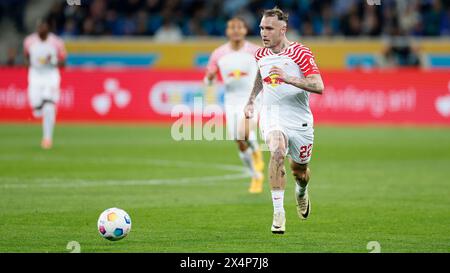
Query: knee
column 278, row 155
column 277, row 147
column 301, row 175
column 242, row 145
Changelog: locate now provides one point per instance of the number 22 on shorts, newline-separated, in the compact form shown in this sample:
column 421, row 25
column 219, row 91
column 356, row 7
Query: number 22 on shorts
column 305, row 152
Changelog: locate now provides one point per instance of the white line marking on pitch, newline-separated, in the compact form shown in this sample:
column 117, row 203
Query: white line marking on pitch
column 75, row 183
column 239, row 173
column 124, row 160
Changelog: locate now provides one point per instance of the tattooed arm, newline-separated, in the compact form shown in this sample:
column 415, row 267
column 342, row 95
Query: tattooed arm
column 312, row 83
column 257, row 87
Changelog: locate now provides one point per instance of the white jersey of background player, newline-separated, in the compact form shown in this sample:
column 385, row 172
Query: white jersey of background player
column 288, row 74
column 44, row 54
column 237, row 66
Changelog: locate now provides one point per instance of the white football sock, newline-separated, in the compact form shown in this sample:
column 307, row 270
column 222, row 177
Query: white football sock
column 48, row 121
column 278, row 200
column 247, row 159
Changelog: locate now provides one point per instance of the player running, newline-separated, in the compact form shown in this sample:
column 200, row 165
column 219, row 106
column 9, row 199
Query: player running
column 236, row 63
column 44, row 54
column 288, row 75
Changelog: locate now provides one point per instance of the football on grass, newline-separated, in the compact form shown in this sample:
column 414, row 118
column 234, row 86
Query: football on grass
column 114, row 224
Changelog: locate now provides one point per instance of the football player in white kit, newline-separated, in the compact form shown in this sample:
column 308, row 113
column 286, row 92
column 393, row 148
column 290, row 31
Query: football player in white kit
column 44, row 54
column 287, row 75
column 237, row 66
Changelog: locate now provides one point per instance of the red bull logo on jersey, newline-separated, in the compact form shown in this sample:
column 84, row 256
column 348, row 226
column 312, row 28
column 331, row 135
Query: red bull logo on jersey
column 273, row 80
column 44, row 60
column 237, row 74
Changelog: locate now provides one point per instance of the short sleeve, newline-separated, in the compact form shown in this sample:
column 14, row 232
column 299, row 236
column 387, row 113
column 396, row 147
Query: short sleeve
column 27, row 44
column 213, row 66
column 259, row 53
column 306, row 62
column 61, row 49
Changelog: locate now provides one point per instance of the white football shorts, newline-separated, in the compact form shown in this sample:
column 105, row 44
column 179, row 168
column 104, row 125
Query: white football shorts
column 299, row 142
column 40, row 91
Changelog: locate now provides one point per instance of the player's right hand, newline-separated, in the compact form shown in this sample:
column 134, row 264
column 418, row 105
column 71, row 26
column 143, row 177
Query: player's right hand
column 49, row 61
column 207, row 81
column 248, row 110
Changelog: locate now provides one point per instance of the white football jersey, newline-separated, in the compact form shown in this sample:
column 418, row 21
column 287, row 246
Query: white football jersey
column 283, row 104
column 237, row 68
column 40, row 51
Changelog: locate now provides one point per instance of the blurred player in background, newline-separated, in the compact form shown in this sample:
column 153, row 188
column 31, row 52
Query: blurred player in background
column 44, row 54
column 288, row 74
column 237, row 66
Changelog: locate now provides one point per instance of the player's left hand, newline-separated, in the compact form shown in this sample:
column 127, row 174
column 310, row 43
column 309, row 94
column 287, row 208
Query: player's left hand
column 248, row 110
column 48, row 60
column 275, row 70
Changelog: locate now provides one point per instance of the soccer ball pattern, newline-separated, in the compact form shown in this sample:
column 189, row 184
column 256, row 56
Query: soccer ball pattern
column 114, row 224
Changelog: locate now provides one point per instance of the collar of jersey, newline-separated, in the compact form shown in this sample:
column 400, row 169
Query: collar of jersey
column 240, row 49
column 283, row 51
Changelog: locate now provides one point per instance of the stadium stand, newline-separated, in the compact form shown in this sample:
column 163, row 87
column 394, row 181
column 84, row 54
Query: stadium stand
column 175, row 20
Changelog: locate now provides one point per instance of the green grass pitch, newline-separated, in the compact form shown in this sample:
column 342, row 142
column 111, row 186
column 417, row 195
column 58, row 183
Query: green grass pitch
column 384, row 184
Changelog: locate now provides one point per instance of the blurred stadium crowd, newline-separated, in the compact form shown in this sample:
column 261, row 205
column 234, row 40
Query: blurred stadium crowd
column 174, row 19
